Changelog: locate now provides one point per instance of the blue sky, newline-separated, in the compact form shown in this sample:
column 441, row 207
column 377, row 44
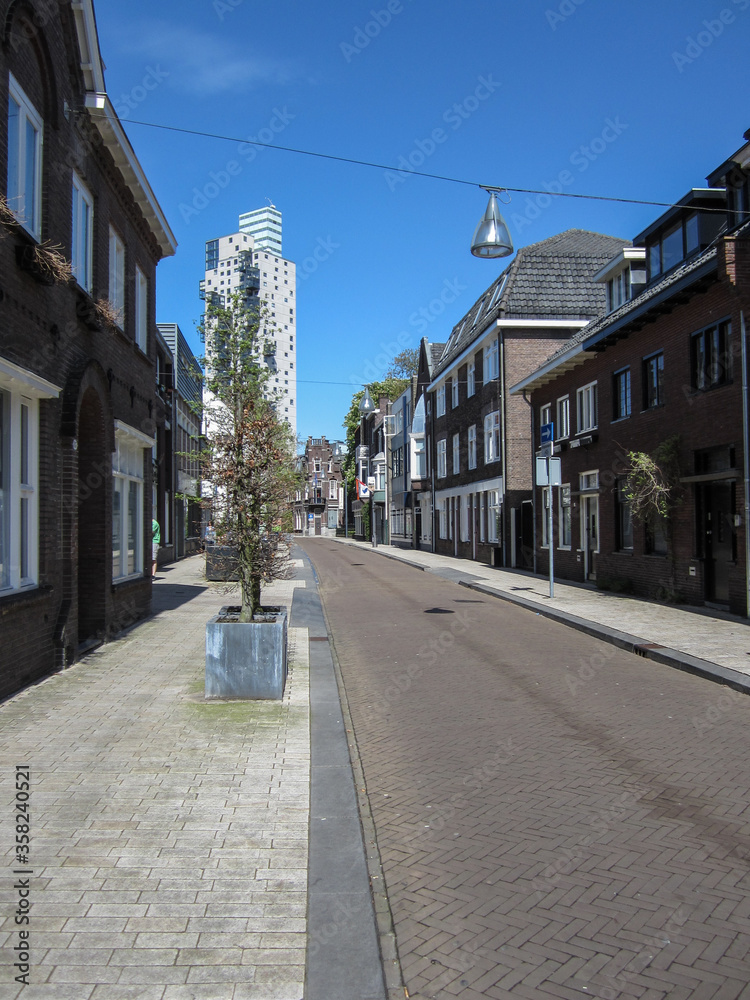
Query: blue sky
column 625, row 98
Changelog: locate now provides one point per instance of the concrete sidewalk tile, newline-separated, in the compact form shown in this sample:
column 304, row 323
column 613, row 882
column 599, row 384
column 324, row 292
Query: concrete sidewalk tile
column 77, row 956
column 57, row 991
column 209, row 956
column 153, row 975
column 220, row 974
column 264, row 991
column 87, row 974
column 163, row 844
column 122, row 992
column 194, row 991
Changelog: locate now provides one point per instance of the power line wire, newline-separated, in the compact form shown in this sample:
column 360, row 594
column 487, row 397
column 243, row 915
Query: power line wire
column 416, row 173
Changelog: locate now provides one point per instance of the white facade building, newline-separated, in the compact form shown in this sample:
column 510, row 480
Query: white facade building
column 237, row 263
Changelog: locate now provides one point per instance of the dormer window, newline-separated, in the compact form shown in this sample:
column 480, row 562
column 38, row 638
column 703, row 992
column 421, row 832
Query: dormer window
column 673, row 246
column 618, row 290
column 623, row 277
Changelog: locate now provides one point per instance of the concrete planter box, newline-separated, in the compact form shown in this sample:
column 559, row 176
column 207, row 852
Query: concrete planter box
column 222, row 563
column 246, row 660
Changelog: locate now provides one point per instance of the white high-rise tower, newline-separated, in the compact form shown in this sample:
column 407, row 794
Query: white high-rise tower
column 242, row 263
column 264, row 225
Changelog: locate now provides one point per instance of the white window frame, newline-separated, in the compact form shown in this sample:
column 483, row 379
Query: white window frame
column 442, row 518
column 82, row 238
column 472, row 446
column 491, row 361
column 545, row 415
column 456, row 454
column 117, row 276
column 492, row 437
column 454, row 392
column 19, row 490
column 471, row 379
column 482, row 515
column 141, row 309
column 442, row 467
column 493, row 516
column 589, row 481
column 127, row 469
column 440, row 404
column 587, row 416
column 27, row 114
column 564, row 494
column 333, row 489
column 562, row 430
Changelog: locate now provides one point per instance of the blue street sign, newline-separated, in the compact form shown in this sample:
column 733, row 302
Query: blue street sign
column 547, row 432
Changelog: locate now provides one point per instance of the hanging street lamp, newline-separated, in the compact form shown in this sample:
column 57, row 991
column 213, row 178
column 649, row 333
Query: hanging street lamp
column 491, row 237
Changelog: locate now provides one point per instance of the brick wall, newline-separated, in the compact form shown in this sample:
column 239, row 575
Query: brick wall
column 704, row 420
column 49, row 330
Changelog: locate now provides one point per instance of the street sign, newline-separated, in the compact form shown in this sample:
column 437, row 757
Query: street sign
column 548, row 471
column 547, row 433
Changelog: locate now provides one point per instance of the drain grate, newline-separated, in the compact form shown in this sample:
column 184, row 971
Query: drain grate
column 642, row 647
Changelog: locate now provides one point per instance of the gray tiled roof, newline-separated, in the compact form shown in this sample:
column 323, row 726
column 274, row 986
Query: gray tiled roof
column 436, row 353
column 552, row 279
column 634, row 305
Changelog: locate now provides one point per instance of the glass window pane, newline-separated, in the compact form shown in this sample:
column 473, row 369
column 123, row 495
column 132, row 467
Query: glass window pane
column 117, row 528
column 24, row 444
column 671, row 248
column 691, row 234
column 29, row 183
column 654, row 260
column 24, row 538
column 14, row 179
column 132, row 526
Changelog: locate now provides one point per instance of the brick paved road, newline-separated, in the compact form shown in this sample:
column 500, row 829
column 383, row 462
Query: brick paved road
column 556, row 817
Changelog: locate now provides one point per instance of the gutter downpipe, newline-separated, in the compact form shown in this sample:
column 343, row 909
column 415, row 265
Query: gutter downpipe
column 746, row 448
column 533, row 478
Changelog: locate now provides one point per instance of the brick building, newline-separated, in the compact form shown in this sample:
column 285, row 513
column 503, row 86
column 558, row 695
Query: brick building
column 77, row 355
column 478, row 435
column 182, row 391
column 661, row 375
column 319, row 501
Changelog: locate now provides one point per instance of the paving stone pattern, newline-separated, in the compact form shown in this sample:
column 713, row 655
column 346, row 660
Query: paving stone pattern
column 169, row 844
column 556, row 817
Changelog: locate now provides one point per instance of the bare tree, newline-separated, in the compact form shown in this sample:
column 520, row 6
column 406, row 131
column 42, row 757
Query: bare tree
column 249, row 458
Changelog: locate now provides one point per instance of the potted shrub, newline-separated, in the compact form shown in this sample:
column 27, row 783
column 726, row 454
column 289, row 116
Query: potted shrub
column 248, row 465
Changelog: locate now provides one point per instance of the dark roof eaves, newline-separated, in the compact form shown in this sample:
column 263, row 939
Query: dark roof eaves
column 653, row 297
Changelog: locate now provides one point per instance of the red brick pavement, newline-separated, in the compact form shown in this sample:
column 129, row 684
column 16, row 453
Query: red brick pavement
column 555, row 817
